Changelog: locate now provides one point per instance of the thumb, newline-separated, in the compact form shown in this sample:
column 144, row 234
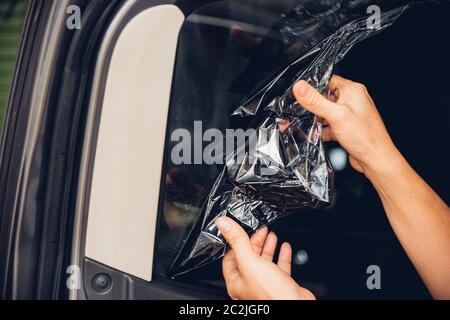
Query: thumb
column 236, row 237
column 310, row 99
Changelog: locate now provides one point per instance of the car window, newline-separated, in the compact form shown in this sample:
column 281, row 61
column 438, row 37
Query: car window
column 225, row 49
column 12, row 14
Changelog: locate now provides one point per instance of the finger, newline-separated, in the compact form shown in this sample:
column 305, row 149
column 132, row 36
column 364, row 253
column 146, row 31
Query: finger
column 313, row 101
column 285, row 258
column 269, row 246
column 236, row 237
column 258, row 240
column 346, row 90
column 328, row 135
column 337, row 83
column 230, row 267
column 232, row 275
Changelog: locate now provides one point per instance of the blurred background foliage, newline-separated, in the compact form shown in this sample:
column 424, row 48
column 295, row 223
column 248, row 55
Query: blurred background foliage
column 12, row 14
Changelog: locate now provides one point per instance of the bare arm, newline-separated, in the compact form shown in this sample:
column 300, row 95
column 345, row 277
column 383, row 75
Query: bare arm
column 419, row 217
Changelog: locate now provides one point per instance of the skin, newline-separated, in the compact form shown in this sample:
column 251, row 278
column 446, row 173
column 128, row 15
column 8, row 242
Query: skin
column 418, row 216
column 249, row 271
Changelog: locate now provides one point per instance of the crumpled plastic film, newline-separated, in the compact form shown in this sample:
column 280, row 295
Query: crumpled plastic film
column 283, row 168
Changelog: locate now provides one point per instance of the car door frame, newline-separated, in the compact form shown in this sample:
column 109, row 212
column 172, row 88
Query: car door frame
column 41, row 157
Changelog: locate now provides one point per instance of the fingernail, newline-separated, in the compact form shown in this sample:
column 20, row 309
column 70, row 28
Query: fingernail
column 223, row 224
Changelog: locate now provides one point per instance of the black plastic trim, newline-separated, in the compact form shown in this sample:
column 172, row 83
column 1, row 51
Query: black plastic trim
column 126, row 287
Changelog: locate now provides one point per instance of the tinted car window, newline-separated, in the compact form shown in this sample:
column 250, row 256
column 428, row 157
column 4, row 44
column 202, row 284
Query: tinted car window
column 219, row 60
column 224, row 51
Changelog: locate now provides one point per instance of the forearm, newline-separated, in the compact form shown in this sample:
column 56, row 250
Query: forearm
column 420, row 219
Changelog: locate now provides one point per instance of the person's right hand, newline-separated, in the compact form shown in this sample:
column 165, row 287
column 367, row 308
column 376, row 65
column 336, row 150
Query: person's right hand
column 353, row 121
column 418, row 216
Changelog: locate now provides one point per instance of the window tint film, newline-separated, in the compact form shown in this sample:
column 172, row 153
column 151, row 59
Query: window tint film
column 225, row 49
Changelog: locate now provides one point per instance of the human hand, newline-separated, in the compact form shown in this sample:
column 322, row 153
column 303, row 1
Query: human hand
column 249, row 270
column 353, row 121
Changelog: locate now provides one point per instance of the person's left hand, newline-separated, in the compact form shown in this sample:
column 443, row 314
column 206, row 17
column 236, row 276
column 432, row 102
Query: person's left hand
column 249, row 270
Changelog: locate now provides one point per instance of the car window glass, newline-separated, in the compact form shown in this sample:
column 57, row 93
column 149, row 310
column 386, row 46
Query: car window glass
column 225, row 48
